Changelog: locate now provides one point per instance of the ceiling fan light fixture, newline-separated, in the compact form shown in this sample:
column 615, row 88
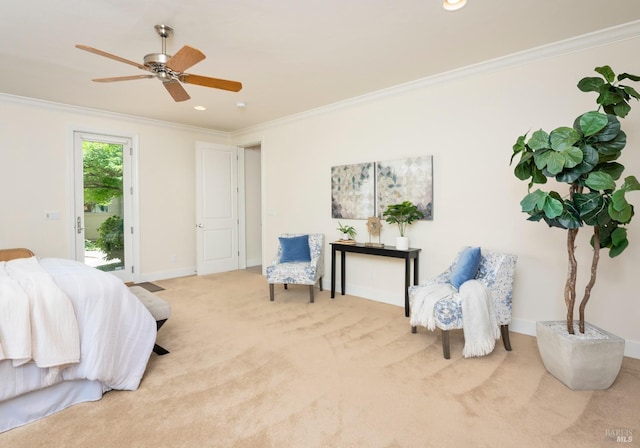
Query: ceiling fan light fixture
column 453, row 5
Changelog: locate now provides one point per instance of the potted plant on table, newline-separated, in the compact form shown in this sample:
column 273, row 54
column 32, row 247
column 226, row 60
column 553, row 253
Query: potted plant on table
column 348, row 232
column 584, row 157
column 403, row 214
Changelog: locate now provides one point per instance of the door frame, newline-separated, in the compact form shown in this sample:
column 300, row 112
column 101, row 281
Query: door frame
column 132, row 252
column 242, row 196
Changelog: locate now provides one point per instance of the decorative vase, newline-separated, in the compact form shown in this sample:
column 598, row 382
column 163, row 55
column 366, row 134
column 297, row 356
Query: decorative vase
column 345, row 236
column 402, row 243
column 589, row 361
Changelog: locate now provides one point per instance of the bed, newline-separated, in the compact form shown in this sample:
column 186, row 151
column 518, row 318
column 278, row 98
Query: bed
column 114, row 338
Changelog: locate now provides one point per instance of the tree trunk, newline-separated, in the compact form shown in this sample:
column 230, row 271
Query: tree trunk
column 570, row 285
column 592, row 280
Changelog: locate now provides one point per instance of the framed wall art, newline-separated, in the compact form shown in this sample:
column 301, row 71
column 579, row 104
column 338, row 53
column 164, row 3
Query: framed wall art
column 353, row 191
column 363, row 190
column 408, row 179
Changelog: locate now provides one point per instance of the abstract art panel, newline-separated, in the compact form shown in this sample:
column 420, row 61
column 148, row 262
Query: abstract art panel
column 352, row 191
column 408, row 179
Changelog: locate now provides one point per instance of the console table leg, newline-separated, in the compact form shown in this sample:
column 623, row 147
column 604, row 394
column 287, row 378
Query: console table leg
column 407, row 279
column 342, row 270
column 333, row 272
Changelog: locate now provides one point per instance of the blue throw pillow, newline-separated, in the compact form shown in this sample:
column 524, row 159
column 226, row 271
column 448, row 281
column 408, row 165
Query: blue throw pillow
column 466, row 267
column 295, row 249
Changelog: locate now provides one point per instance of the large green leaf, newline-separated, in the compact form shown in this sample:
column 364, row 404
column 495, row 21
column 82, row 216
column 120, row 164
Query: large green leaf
column 631, row 91
column 599, row 180
column 523, row 168
column 552, row 207
column 590, row 84
column 590, row 159
column 523, row 171
column 563, row 138
column 570, row 217
column 623, row 76
column 607, row 72
column 518, row 146
column 621, row 109
column 539, row 140
column 572, row 157
column 589, row 206
column 612, row 147
column 618, row 236
column 619, row 209
column 611, row 131
column 593, row 122
column 608, row 96
column 630, row 184
column 614, row 169
column 552, row 160
column 533, row 200
column 618, row 241
column 537, row 176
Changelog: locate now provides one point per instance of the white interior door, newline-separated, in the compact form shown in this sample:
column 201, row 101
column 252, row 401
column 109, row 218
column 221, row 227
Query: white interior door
column 216, row 208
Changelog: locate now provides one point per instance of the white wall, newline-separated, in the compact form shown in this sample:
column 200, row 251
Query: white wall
column 469, row 124
column 35, row 164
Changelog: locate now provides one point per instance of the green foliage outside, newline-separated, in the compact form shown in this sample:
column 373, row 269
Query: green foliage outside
column 111, row 240
column 102, row 172
column 103, row 183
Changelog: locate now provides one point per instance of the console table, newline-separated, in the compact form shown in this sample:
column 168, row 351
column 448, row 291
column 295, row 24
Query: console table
column 386, row 251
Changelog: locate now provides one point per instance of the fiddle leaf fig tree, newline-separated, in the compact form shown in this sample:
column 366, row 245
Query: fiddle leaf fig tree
column 585, row 157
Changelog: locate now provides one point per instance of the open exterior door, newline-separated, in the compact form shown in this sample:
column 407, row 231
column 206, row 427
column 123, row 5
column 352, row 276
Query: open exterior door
column 216, row 208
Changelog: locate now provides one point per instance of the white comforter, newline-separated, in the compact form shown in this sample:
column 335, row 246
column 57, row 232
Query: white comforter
column 116, row 331
column 37, row 320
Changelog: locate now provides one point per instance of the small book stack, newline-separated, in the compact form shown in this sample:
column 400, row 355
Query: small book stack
column 346, row 241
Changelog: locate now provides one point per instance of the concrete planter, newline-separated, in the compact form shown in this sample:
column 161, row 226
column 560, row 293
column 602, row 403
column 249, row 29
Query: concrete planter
column 589, row 361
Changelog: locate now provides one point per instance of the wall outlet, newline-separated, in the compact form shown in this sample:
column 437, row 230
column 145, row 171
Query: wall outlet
column 52, row 215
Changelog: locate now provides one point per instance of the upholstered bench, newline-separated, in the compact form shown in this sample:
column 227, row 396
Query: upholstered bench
column 159, row 309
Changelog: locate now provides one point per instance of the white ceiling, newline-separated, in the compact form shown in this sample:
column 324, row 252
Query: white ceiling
column 290, row 55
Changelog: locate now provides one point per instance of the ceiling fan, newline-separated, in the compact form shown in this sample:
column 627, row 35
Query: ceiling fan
column 169, row 69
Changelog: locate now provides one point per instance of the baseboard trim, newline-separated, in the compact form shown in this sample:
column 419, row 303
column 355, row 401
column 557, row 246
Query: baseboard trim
column 164, row 275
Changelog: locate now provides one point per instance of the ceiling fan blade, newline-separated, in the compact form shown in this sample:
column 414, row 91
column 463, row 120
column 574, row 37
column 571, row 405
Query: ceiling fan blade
column 185, row 57
column 123, row 78
column 224, row 84
column 176, row 90
column 110, row 56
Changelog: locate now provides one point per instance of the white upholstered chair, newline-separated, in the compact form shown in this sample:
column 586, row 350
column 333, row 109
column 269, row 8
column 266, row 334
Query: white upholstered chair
column 299, row 261
column 495, row 271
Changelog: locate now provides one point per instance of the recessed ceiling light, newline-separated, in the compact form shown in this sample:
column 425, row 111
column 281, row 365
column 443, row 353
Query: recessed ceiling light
column 452, row 5
column 241, row 104
column 200, row 108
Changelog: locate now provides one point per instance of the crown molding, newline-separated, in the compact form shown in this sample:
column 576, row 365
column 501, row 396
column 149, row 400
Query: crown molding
column 630, row 30
column 61, row 107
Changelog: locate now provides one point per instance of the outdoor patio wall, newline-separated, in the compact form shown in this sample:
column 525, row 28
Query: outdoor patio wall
column 469, row 124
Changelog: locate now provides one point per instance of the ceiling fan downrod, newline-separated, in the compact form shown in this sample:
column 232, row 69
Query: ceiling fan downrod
column 157, row 61
column 164, row 31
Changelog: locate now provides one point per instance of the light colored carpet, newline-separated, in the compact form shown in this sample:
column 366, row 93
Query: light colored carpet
column 247, row 372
